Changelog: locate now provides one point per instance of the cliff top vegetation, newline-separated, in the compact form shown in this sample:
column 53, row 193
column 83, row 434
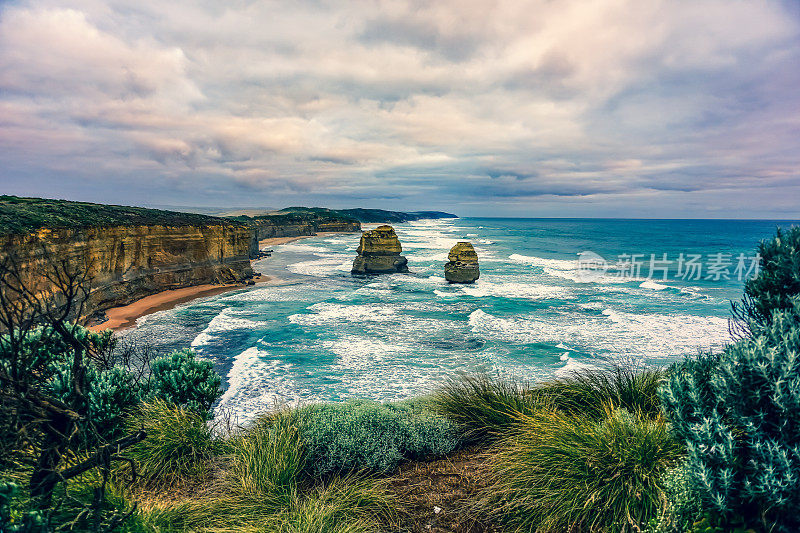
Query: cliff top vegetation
column 300, row 216
column 23, row 215
column 294, row 215
column 370, row 215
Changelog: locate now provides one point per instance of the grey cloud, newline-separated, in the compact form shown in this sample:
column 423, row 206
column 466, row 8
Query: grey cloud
column 401, row 104
column 419, row 33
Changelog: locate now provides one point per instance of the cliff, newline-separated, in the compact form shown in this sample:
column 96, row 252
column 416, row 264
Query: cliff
column 129, row 253
column 298, row 224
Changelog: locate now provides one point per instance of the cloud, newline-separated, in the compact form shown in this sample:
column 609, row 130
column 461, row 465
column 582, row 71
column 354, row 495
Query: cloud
column 466, row 106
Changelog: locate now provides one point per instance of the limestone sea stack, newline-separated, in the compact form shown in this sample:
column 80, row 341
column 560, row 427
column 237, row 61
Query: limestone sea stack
column 379, row 253
column 462, row 265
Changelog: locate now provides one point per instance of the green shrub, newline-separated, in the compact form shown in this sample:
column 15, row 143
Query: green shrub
column 46, row 360
column 557, row 471
column 590, row 392
column 365, row 435
column 182, row 379
column 16, row 521
column 685, row 505
column 483, row 406
column 109, row 396
column 178, row 446
column 739, row 413
column 778, row 280
column 265, row 490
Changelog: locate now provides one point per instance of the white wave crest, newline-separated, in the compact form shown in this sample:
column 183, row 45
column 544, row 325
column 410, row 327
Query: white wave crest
column 323, row 267
column 521, row 290
column 615, row 333
column 224, row 322
column 325, row 312
column 256, row 385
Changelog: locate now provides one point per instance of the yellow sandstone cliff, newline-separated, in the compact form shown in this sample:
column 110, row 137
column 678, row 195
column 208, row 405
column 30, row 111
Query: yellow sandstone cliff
column 126, row 263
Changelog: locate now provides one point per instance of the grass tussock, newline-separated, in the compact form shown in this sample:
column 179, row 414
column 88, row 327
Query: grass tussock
column 482, row 406
column 268, row 458
column 264, row 488
column 350, row 504
column 178, row 446
column 558, row 471
column 590, row 392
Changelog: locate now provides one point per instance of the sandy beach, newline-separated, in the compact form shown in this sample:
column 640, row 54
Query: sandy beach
column 285, row 240
column 124, row 317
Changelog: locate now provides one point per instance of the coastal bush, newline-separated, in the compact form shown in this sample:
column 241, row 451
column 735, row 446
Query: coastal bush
column 182, row 379
column 482, row 406
column 265, row 490
column 45, row 357
column 738, row 412
column 558, row 471
column 590, row 392
column 777, row 282
column 178, row 446
column 365, row 435
column 685, row 505
column 15, row 520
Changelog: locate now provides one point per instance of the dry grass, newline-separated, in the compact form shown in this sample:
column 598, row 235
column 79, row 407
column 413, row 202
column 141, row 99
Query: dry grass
column 452, row 484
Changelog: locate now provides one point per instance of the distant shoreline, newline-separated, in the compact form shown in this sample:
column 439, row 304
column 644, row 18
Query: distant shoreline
column 272, row 241
column 125, row 317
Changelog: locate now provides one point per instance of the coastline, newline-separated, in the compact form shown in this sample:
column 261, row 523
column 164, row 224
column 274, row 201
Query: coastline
column 273, row 241
column 124, row 317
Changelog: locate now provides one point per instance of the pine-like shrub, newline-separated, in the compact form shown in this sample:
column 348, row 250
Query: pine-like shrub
column 365, row 435
column 182, row 379
column 739, row 413
column 777, row 282
column 108, row 393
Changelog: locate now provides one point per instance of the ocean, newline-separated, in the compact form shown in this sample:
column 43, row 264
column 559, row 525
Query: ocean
column 654, row 291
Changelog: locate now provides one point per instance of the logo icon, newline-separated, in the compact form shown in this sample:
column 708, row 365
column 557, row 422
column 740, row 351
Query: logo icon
column 591, row 266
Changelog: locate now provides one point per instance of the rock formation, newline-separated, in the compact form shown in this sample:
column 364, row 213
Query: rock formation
column 129, row 262
column 379, row 253
column 462, row 265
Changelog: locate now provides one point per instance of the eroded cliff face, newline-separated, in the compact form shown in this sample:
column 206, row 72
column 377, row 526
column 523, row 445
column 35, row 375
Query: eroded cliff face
column 268, row 229
column 129, row 262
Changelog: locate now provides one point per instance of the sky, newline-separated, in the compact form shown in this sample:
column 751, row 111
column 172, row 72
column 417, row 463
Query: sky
column 552, row 108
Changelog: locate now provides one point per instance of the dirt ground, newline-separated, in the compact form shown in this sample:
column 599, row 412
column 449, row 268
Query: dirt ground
column 450, row 484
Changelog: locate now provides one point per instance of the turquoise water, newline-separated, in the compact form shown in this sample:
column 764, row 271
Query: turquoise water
column 320, row 334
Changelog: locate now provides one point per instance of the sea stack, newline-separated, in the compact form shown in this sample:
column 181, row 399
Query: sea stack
column 379, row 253
column 462, row 265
